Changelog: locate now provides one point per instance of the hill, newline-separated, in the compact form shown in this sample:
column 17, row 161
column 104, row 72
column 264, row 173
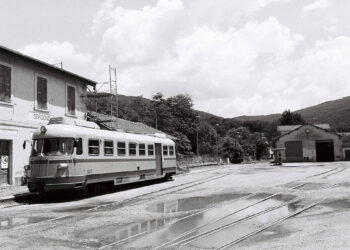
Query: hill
column 264, row 118
column 336, row 113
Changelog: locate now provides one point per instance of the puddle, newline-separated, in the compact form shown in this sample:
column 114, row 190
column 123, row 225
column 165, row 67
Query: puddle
column 74, row 209
column 192, row 203
column 284, row 197
column 208, row 220
column 312, row 186
column 10, row 222
column 101, row 236
column 274, row 232
column 243, row 228
column 338, row 204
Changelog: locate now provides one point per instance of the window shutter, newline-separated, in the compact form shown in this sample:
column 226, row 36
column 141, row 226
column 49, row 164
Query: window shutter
column 42, row 92
column 71, row 100
column 5, row 83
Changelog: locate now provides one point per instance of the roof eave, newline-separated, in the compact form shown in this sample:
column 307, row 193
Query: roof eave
column 17, row 53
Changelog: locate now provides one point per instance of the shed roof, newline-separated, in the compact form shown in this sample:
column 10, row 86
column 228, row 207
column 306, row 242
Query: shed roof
column 287, row 128
column 300, row 126
column 32, row 59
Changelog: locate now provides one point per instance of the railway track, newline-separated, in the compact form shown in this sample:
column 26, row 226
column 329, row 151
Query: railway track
column 187, row 185
column 187, row 237
column 191, row 184
column 230, row 244
column 133, row 199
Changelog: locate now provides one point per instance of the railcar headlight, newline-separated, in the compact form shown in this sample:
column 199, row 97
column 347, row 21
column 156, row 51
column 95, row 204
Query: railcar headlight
column 43, row 129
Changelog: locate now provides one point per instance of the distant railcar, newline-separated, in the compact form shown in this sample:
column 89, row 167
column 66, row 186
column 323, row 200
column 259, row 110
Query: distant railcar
column 70, row 154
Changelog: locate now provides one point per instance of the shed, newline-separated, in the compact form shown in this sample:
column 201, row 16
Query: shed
column 310, row 143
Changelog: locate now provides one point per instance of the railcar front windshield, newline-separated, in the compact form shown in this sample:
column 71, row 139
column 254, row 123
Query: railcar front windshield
column 52, row 146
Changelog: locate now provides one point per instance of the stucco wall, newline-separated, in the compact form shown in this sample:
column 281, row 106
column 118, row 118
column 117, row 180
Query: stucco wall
column 308, row 135
column 20, row 117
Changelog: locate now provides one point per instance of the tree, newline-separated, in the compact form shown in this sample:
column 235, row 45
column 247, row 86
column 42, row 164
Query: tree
column 289, row 118
column 161, row 113
column 230, row 148
column 207, row 139
column 183, row 146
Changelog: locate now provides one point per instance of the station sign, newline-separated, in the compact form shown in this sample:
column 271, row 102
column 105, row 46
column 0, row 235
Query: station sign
column 39, row 116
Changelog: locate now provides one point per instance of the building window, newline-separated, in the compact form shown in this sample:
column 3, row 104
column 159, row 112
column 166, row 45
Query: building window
column 70, row 100
column 132, row 148
column 165, row 150
column 94, row 147
column 171, row 150
column 108, row 147
column 121, row 148
column 41, row 92
column 150, row 150
column 142, row 149
column 5, row 83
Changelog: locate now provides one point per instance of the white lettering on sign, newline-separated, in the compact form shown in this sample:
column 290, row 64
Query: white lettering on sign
column 42, row 117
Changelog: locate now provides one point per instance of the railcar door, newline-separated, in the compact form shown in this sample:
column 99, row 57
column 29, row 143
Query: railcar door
column 159, row 159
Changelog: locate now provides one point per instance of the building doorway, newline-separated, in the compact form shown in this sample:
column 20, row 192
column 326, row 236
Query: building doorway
column 324, row 151
column 5, row 162
column 294, row 151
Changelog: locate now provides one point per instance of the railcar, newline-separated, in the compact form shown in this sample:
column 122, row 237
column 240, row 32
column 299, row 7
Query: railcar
column 72, row 154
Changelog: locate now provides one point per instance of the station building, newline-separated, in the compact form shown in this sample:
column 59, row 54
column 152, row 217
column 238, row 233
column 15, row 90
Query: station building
column 312, row 143
column 31, row 92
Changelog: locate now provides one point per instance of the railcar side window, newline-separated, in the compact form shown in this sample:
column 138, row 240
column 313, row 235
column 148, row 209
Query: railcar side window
column 132, row 148
column 150, row 150
column 108, row 147
column 94, row 147
column 171, row 150
column 165, row 150
column 142, row 149
column 79, row 145
column 121, row 148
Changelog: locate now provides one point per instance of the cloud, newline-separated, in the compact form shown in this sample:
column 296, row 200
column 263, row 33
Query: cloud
column 163, row 49
column 55, row 52
column 230, row 64
column 319, row 4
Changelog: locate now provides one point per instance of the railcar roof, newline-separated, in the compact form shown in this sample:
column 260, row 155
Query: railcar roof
column 60, row 130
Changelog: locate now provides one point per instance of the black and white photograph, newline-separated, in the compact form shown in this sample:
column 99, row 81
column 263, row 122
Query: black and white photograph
column 175, row 124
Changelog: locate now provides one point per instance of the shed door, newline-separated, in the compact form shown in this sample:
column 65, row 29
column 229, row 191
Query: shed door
column 294, row 151
column 324, row 151
column 347, row 154
column 159, row 159
column 5, row 162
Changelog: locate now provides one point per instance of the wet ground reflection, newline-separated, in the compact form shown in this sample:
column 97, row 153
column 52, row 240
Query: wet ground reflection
column 157, row 231
column 192, row 203
column 338, row 204
column 10, row 222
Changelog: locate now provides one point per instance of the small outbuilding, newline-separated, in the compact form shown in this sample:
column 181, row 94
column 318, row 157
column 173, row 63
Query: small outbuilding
column 310, row 143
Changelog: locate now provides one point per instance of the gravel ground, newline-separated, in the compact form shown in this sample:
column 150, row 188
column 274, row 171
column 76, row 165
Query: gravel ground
column 7, row 190
column 325, row 226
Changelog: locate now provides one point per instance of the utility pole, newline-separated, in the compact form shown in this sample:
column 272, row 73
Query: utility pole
column 197, row 135
column 113, row 88
column 217, row 145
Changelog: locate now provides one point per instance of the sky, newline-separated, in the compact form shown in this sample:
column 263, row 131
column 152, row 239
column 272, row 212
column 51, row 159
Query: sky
column 233, row 57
